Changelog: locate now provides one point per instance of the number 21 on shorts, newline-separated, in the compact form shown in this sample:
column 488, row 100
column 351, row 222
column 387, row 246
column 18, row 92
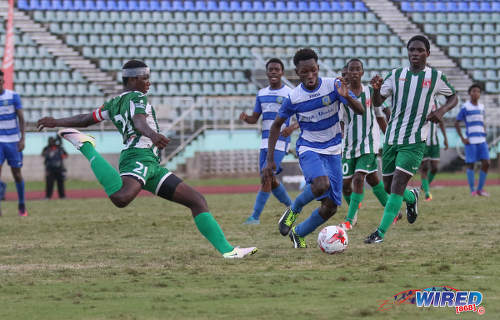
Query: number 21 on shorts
column 141, row 169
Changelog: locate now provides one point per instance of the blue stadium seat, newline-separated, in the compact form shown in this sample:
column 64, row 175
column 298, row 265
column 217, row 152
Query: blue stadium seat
column 303, row 6
column 246, row 6
column 292, row 6
column 406, row 6
column 314, row 6
column 280, row 6
column 463, row 6
column 23, row 4
column 474, row 6
column 212, row 5
column 258, row 6
column 78, row 5
column 360, row 6
column 429, row 6
column 269, row 6
column 418, row 6
column 347, row 6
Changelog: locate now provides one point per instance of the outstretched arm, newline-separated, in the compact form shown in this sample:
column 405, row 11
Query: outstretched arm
column 250, row 119
column 354, row 104
column 79, row 121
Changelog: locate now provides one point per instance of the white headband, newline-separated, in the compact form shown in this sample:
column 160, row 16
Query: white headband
column 135, row 72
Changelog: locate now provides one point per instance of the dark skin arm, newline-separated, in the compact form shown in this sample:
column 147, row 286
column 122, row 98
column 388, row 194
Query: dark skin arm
column 354, row 104
column 250, row 119
column 142, row 126
column 290, row 129
column 459, row 132
column 79, row 121
column 436, row 116
column 382, row 123
column 443, row 130
column 20, row 116
column 376, row 84
column 274, row 134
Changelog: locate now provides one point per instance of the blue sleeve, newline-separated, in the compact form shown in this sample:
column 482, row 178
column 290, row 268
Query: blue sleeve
column 17, row 101
column 461, row 114
column 257, row 108
column 286, row 110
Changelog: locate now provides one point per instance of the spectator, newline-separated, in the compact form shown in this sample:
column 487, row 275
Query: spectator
column 54, row 167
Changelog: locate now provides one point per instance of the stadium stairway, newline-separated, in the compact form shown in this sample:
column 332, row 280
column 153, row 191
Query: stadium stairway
column 40, row 34
column 391, row 15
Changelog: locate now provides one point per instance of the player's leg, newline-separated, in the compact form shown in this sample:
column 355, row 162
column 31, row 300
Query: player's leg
column 470, row 159
column 60, row 184
column 485, row 164
column 348, row 167
column 377, row 187
column 358, row 180
column 262, row 195
column 49, row 183
column 424, row 174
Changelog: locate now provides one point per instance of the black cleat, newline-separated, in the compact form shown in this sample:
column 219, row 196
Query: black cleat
column 374, row 238
column 286, row 221
column 412, row 208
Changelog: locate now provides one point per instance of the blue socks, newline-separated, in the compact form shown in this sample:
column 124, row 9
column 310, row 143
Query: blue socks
column 482, row 180
column 20, row 191
column 280, row 193
column 470, row 179
column 260, row 202
column 304, row 198
column 310, row 224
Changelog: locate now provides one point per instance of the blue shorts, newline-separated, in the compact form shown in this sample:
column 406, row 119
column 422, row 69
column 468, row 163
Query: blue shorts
column 8, row 150
column 278, row 157
column 319, row 165
column 476, row 152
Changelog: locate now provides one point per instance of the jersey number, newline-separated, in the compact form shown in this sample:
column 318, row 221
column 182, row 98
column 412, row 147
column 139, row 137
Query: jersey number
column 141, row 169
column 118, row 118
column 345, row 168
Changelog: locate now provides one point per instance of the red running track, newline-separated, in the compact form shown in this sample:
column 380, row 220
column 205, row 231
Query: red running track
column 99, row 193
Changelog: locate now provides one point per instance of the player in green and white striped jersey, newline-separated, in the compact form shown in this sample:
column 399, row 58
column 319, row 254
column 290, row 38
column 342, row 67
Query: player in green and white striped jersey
column 139, row 163
column 432, row 155
column 412, row 89
column 361, row 145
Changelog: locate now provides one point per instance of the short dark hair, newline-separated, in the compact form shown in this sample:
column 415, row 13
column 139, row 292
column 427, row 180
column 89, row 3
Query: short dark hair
column 130, row 65
column 475, row 85
column 355, row 59
column 276, row 60
column 304, row 54
column 1, row 73
column 419, row 38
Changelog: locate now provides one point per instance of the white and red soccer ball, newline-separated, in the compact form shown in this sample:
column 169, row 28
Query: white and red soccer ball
column 332, row 239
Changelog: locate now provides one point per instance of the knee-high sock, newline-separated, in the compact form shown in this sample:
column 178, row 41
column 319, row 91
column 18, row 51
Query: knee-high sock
column 211, row 230
column 470, row 179
column 390, row 211
column 107, row 176
column 280, row 193
column 408, row 197
column 482, row 180
column 302, row 199
column 310, row 224
column 20, row 191
column 431, row 177
column 425, row 186
column 347, row 198
column 380, row 193
column 356, row 199
column 260, row 202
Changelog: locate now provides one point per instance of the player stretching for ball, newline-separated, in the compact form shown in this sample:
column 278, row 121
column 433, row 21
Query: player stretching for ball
column 361, row 145
column 432, row 155
column 412, row 89
column 139, row 165
column 319, row 143
column 268, row 103
column 476, row 147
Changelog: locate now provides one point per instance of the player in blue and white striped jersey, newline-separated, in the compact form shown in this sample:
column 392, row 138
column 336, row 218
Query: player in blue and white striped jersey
column 12, row 140
column 320, row 141
column 268, row 103
column 476, row 147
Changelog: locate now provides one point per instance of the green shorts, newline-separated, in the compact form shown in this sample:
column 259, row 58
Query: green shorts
column 143, row 165
column 431, row 152
column 404, row 157
column 366, row 163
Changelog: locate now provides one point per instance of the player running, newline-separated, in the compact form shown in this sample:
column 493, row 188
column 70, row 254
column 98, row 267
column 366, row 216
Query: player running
column 319, row 143
column 412, row 89
column 139, row 166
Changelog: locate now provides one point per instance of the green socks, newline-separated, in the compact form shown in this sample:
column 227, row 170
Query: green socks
column 107, row 176
column 347, row 199
column 391, row 210
column 380, row 193
column 211, row 230
column 356, row 199
column 408, row 196
column 431, row 177
column 425, row 186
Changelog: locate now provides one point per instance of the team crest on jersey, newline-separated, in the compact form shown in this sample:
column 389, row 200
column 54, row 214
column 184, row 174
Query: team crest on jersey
column 426, row 83
column 279, row 100
column 6, row 102
column 326, row 100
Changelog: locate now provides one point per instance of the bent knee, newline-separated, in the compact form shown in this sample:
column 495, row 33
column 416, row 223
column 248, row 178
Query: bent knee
column 120, row 201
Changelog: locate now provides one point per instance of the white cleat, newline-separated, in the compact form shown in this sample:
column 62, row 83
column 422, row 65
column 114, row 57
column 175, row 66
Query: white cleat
column 75, row 137
column 239, row 253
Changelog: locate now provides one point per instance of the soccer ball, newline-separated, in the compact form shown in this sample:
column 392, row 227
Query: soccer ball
column 332, row 239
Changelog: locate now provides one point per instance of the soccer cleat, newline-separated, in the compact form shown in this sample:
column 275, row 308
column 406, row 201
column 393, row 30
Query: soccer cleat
column 75, row 137
column 482, row 193
column 298, row 241
column 239, row 253
column 412, row 208
column 286, row 221
column 346, row 226
column 374, row 238
column 22, row 210
column 251, row 220
column 474, row 193
column 397, row 218
column 428, row 197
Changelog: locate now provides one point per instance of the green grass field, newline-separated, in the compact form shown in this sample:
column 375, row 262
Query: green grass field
column 85, row 259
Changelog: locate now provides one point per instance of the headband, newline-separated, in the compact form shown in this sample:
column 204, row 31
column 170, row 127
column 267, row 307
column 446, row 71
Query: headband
column 135, row 72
